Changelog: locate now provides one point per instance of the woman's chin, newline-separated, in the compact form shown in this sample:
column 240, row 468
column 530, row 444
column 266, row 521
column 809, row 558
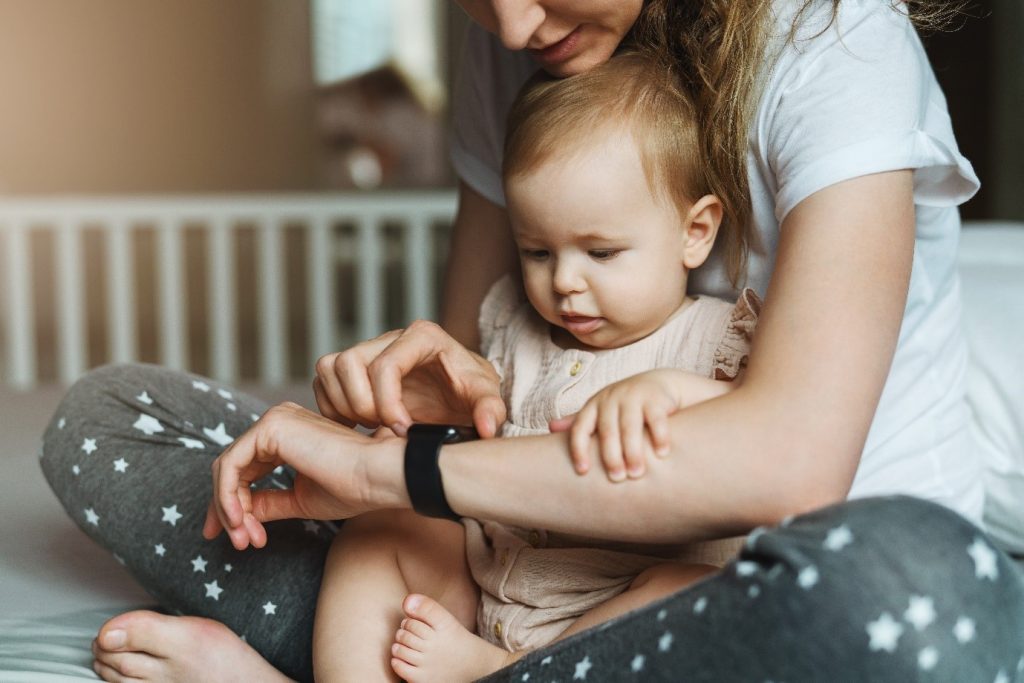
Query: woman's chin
column 579, row 63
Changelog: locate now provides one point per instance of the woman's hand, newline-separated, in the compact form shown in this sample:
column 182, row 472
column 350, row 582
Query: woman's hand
column 418, row 374
column 630, row 419
column 333, row 481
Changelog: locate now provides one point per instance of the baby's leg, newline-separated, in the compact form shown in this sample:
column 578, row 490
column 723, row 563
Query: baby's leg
column 375, row 562
column 651, row 584
column 432, row 646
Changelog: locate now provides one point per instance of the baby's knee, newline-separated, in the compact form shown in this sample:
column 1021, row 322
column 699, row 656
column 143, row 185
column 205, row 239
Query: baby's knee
column 381, row 527
column 395, row 532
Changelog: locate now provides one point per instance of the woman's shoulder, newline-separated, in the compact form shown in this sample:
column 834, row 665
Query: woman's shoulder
column 813, row 39
column 820, row 24
column 850, row 93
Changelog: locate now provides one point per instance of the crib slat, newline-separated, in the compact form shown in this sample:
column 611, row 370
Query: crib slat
column 418, row 257
column 369, row 314
column 222, row 304
column 21, row 337
column 121, row 323
column 321, row 294
column 271, row 298
column 173, row 326
column 71, row 301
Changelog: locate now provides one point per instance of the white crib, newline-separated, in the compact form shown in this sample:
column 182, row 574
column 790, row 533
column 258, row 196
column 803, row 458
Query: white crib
column 71, row 266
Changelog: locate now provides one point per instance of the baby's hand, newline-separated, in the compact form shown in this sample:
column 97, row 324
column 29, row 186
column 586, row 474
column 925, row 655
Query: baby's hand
column 630, row 419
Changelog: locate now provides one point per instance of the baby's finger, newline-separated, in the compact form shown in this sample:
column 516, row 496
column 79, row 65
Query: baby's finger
column 611, row 444
column 562, row 424
column 631, row 423
column 656, row 417
column 583, row 428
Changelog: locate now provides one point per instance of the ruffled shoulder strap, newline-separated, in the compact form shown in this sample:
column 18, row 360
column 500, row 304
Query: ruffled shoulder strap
column 734, row 348
column 497, row 311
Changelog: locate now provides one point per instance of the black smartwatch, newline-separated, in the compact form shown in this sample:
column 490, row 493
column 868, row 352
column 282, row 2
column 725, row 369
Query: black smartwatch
column 422, row 474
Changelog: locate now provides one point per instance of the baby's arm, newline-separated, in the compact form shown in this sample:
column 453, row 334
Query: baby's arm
column 630, row 418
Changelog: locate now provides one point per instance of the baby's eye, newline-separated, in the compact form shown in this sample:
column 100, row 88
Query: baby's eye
column 535, row 254
column 603, row 254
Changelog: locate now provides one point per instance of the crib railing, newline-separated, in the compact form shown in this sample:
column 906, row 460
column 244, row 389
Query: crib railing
column 73, row 271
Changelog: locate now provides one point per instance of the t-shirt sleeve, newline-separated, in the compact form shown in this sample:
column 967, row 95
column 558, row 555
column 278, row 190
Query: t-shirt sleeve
column 855, row 99
column 489, row 79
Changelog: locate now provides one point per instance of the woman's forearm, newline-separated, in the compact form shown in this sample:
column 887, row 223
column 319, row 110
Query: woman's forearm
column 713, row 484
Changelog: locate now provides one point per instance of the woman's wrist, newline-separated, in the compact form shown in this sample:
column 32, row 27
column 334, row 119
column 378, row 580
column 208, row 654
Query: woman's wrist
column 385, row 477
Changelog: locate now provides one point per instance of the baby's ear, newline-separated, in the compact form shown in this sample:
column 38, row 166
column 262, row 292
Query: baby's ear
column 701, row 226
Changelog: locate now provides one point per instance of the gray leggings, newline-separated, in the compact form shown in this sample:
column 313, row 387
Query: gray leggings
column 885, row 589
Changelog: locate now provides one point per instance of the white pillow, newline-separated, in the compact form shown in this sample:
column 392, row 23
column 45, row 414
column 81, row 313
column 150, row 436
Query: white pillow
column 992, row 272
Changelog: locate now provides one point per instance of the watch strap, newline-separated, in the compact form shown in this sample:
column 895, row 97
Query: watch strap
column 422, row 473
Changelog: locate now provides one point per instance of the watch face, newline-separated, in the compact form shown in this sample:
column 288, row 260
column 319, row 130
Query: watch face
column 444, row 433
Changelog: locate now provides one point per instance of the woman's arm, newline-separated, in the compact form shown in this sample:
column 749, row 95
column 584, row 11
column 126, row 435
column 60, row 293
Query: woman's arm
column 788, row 440
column 481, row 252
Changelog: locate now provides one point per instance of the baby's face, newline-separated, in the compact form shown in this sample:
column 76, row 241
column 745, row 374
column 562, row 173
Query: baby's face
column 601, row 257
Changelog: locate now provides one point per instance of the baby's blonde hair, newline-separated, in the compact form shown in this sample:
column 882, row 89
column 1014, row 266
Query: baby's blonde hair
column 633, row 93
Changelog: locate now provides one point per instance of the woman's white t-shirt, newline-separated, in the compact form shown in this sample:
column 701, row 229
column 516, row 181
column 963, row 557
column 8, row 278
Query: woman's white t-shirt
column 855, row 98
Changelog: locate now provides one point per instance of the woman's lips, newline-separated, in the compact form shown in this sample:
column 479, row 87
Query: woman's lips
column 580, row 324
column 556, row 53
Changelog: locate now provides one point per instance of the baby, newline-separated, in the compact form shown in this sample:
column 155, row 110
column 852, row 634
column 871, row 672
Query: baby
column 610, row 211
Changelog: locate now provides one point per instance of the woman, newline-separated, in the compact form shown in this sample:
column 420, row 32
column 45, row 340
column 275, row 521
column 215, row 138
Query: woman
column 854, row 386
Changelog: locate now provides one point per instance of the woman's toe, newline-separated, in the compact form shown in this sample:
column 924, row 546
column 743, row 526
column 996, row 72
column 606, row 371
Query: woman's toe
column 132, row 665
column 137, row 631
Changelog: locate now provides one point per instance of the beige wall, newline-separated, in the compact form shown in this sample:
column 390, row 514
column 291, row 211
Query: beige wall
column 115, row 96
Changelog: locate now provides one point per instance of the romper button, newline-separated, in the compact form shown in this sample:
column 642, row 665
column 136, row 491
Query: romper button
column 504, row 557
column 575, row 369
column 534, row 538
column 497, row 629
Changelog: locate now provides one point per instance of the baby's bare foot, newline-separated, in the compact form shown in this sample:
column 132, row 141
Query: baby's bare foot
column 431, row 645
column 147, row 646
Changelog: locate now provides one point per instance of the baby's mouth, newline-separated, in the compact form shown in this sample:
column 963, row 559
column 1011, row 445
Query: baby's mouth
column 580, row 324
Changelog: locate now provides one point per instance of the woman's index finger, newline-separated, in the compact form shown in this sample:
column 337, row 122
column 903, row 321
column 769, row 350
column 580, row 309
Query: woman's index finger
column 416, row 346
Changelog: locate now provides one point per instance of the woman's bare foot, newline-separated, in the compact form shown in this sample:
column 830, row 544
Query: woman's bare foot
column 431, row 645
column 147, row 646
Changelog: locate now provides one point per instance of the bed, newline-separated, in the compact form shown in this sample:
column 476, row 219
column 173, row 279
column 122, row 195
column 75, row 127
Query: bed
column 56, row 587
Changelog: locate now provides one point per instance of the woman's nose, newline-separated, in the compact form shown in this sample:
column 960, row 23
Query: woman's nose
column 517, row 21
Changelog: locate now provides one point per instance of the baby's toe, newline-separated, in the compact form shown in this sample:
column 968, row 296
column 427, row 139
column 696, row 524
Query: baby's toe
column 409, row 639
column 407, row 654
column 429, row 611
